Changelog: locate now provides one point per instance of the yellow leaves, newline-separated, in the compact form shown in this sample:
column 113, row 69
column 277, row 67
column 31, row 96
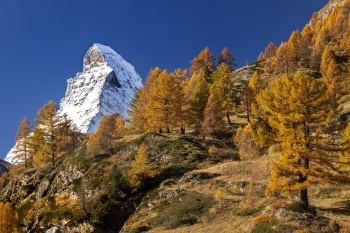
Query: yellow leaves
column 219, row 194
column 119, row 127
column 110, row 125
column 300, row 114
column 245, row 141
column 203, row 62
column 345, row 154
column 41, row 160
column 140, row 169
column 8, row 219
column 163, row 109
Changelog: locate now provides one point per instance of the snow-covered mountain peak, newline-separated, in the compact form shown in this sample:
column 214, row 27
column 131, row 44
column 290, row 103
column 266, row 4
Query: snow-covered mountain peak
column 106, row 85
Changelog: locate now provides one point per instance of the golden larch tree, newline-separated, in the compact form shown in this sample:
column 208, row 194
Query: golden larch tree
column 304, row 121
column 294, row 49
column 22, row 149
column 213, row 122
column 138, row 104
column 269, row 52
column 101, row 141
column 204, row 64
column 305, row 48
column 227, row 58
column 164, row 106
column 331, row 72
column 140, row 168
column 223, row 83
column 251, row 91
column 48, row 124
column 119, row 127
column 8, row 219
column 197, row 103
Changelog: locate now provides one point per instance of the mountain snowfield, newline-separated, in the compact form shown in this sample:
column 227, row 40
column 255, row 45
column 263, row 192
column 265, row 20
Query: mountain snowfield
column 106, row 85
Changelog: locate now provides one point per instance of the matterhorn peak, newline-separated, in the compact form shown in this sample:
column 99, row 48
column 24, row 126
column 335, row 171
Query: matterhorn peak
column 106, row 85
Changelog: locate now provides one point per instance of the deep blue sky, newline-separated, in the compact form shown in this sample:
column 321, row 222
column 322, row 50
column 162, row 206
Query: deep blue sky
column 42, row 43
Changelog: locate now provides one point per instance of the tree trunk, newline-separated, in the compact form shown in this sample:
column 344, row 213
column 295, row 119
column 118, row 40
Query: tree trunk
column 228, row 118
column 304, row 200
column 183, row 130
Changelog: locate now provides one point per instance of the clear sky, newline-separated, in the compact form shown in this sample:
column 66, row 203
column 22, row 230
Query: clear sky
column 42, row 43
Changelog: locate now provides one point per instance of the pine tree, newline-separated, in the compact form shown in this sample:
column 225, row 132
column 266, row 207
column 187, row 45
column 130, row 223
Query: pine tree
column 164, row 106
column 294, row 48
column 225, row 88
column 138, row 112
column 49, row 125
column 213, row 117
column 183, row 79
column 331, row 72
column 197, row 103
column 101, row 141
column 119, row 127
column 68, row 135
column 179, row 75
column 140, row 169
column 203, row 64
column 270, row 52
column 38, row 149
column 320, row 40
column 245, row 141
column 23, row 154
column 304, row 121
column 227, row 58
column 305, row 48
column 282, row 61
column 254, row 87
column 8, row 219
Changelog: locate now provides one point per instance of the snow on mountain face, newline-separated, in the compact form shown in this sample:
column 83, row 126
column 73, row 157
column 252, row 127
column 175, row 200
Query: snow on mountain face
column 106, row 85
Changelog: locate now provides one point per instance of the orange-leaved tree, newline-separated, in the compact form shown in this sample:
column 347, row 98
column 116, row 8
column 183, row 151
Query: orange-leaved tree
column 164, row 106
column 304, row 120
column 141, row 170
column 22, row 149
column 8, row 219
column 101, row 141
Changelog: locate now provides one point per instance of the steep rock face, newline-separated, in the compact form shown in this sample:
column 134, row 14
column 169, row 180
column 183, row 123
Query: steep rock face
column 3, row 166
column 106, row 85
column 326, row 10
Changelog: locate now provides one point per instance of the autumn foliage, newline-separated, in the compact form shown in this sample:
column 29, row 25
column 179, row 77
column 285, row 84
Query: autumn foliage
column 8, row 219
column 303, row 120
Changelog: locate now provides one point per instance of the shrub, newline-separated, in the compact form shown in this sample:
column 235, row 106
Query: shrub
column 245, row 211
column 185, row 210
column 245, row 141
column 296, row 207
column 140, row 229
column 263, row 218
column 213, row 151
column 264, row 227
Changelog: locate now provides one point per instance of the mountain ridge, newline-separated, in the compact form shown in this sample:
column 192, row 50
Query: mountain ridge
column 106, row 85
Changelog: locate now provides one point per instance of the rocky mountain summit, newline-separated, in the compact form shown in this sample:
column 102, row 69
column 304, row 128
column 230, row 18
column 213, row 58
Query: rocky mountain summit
column 327, row 9
column 106, row 85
